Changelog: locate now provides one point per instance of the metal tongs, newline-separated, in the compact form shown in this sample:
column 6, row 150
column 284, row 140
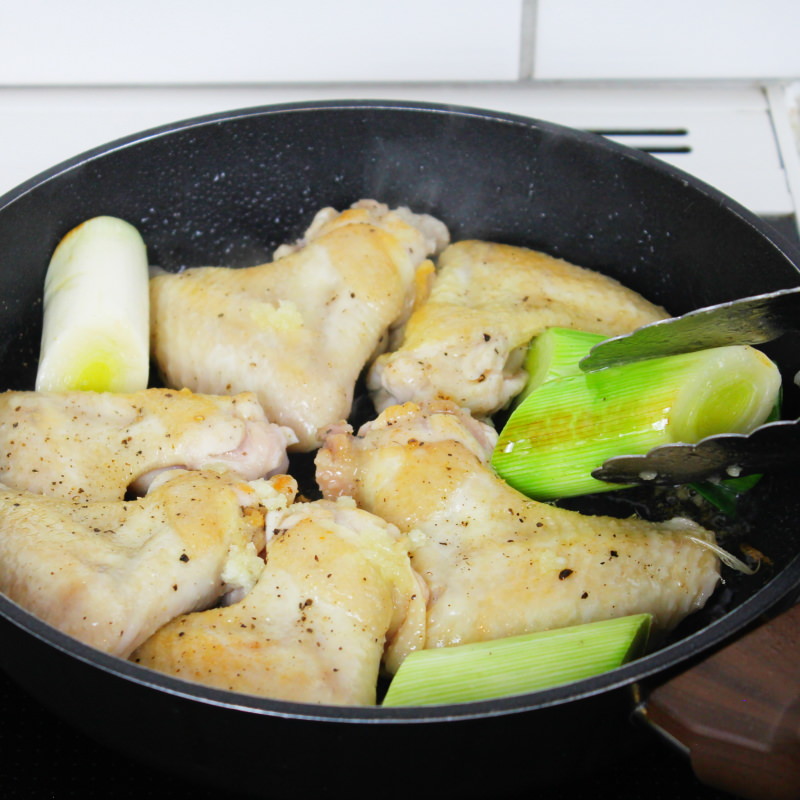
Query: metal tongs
column 751, row 320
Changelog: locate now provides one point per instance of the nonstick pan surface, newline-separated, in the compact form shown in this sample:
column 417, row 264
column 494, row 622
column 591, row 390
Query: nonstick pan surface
column 226, row 190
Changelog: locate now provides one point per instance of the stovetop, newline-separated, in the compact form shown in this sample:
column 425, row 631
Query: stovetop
column 44, row 758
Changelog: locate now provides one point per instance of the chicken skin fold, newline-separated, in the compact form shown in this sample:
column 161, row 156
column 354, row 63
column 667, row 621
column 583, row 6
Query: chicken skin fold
column 103, row 445
column 497, row 563
column 336, row 599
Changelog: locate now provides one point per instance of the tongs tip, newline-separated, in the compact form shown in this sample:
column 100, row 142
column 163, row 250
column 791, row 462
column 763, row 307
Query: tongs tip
column 770, row 447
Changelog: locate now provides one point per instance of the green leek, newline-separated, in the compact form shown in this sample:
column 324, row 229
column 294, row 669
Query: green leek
column 569, row 425
column 517, row 664
column 555, row 353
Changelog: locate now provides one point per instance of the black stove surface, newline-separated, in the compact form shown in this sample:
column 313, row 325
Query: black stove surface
column 44, row 758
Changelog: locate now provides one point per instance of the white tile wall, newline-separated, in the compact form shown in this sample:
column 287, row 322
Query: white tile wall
column 256, row 41
column 638, row 39
column 161, row 42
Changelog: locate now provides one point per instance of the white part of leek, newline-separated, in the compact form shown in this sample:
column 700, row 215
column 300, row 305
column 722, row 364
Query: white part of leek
column 96, row 326
column 517, row 664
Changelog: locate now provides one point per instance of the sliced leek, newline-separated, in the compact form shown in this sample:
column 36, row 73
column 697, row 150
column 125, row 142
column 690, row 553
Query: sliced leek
column 555, row 353
column 95, row 333
column 569, row 426
column 518, row 664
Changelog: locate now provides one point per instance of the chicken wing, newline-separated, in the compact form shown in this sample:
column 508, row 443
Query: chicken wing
column 496, row 563
column 299, row 330
column 112, row 573
column 467, row 341
column 98, row 446
column 337, row 595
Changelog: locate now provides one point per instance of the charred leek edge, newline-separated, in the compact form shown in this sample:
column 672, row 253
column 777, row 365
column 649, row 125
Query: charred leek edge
column 95, row 333
column 518, row 664
column 555, row 353
column 569, row 426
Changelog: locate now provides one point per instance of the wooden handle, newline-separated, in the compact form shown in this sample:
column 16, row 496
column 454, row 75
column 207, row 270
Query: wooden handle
column 738, row 713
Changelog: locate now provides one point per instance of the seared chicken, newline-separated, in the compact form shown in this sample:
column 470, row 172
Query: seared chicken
column 336, row 597
column 467, row 341
column 299, row 330
column 112, row 573
column 497, row 563
column 100, row 446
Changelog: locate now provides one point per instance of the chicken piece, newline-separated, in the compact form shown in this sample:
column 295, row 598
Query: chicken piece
column 487, row 302
column 337, row 595
column 99, row 446
column 112, row 573
column 497, row 563
column 299, row 330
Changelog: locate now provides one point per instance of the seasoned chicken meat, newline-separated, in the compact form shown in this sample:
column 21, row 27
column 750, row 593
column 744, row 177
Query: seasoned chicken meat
column 100, row 446
column 467, row 341
column 112, row 573
column 337, row 597
column 497, row 563
column 299, row 330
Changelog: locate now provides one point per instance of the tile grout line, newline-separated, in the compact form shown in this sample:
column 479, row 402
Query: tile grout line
column 527, row 39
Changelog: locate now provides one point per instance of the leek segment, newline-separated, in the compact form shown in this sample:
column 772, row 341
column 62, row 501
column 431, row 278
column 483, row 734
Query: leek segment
column 555, row 353
column 517, row 664
column 95, row 331
column 572, row 422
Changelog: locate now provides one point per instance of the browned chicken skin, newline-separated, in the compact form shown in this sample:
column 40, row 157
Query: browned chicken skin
column 299, row 330
column 99, row 445
column 112, row 573
column 496, row 563
column 488, row 300
column 337, row 597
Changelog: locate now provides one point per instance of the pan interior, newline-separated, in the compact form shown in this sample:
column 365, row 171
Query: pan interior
column 227, row 190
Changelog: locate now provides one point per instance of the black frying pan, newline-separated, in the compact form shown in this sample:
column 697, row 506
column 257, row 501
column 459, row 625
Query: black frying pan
column 226, row 189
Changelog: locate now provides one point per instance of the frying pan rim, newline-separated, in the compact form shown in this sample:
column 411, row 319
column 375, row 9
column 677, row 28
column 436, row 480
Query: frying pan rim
column 705, row 639
column 774, row 236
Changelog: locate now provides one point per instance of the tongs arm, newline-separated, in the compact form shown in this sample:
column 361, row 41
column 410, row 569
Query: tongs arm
column 749, row 320
column 771, row 447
